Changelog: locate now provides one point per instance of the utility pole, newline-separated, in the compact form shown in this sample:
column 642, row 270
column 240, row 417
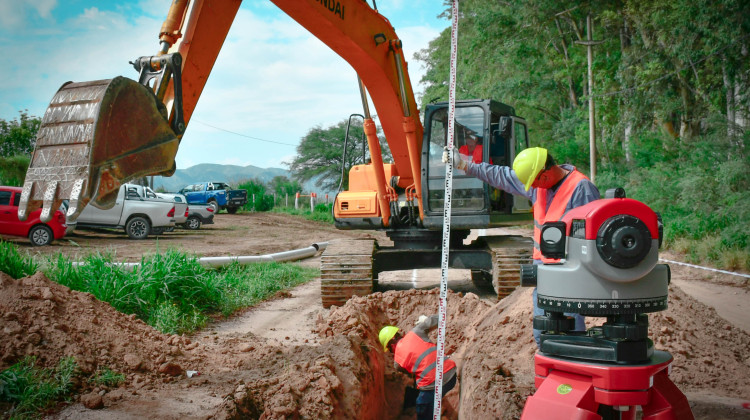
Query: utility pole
column 589, row 43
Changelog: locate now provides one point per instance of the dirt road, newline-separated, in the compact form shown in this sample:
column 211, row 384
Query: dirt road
column 290, row 357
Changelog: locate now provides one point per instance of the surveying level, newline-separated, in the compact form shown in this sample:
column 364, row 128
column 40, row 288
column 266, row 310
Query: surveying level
column 607, row 255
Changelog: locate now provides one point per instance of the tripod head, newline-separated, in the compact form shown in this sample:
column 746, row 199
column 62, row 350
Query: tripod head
column 608, row 251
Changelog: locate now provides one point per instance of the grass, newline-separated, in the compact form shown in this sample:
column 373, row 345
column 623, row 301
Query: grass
column 14, row 263
column 171, row 291
column 105, row 376
column 31, row 390
column 322, row 212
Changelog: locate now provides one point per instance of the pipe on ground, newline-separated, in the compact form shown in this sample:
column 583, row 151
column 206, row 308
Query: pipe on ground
column 293, row 255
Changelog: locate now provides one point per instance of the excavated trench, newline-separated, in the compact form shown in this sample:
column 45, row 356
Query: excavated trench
column 494, row 349
column 491, row 344
column 339, row 371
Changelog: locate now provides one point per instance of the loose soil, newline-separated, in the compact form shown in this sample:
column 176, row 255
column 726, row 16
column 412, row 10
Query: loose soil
column 290, row 358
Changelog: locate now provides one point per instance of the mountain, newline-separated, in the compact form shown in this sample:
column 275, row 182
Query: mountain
column 232, row 174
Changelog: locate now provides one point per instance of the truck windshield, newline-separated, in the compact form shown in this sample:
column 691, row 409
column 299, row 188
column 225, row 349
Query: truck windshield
column 468, row 192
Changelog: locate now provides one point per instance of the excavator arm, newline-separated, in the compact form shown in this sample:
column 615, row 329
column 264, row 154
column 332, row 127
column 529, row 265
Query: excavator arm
column 97, row 135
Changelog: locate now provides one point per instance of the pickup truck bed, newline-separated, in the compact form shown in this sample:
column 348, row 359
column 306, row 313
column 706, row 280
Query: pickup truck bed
column 216, row 194
column 199, row 214
column 137, row 210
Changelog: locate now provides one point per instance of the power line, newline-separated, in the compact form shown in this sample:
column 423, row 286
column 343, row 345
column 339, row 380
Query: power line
column 244, row 135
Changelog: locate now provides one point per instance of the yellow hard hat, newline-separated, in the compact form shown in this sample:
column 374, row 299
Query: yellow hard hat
column 386, row 334
column 529, row 163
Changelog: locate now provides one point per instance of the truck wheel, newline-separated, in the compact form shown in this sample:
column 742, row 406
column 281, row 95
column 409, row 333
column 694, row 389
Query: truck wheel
column 214, row 205
column 193, row 223
column 40, row 235
column 138, row 228
column 232, row 210
column 157, row 231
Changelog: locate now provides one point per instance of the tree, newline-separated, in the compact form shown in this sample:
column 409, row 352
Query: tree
column 17, row 137
column 664, row 65
column 257, row 199
column 284, row 187
column 320, row 154
column 13, row 170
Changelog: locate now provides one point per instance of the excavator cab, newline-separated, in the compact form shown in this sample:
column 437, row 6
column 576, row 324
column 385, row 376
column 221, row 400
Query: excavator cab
column 485, row 131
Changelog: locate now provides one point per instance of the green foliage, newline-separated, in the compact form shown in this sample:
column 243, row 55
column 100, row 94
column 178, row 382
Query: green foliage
column 670, row 90
column 322, row 212
column 249, row 285
column 702, row 197
column 320, row 154
column 107, row 377
column 15, row 264
column 284, row 186
column 13, row 170
column 257, row 198
column 17, row 137
column 31, row 389
column 172, row 291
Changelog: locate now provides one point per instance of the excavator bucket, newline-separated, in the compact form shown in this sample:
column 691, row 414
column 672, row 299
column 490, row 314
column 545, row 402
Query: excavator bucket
column 94, row 137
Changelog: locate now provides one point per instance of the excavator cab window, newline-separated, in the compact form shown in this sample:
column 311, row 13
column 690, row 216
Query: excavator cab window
column 501, row 136
column 468, row 191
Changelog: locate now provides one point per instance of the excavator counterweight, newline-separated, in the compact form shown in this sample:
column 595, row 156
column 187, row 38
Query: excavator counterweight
column 94, row 137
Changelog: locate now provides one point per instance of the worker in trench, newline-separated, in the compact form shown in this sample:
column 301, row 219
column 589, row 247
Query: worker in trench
column 553, row 190
column 415, row 354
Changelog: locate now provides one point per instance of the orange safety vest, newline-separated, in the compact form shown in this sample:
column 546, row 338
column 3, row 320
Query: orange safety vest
column 419, row 357
column 556, row 209
column 476, row 155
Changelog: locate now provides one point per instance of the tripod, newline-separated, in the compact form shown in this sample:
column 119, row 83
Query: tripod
column 570, row 386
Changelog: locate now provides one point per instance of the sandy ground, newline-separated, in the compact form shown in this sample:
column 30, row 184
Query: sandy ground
column 290, row 358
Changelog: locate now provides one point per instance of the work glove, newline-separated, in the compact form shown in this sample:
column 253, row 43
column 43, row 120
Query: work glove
column 458, row 159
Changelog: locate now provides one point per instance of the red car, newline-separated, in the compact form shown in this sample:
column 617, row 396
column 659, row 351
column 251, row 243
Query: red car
column 38, row 233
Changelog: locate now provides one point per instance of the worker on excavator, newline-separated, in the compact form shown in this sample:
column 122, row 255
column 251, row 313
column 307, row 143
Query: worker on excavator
column 415, row 353
column 472, row 150
column 553, row 189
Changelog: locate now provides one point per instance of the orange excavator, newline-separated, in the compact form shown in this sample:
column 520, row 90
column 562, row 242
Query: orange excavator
column 97, row 135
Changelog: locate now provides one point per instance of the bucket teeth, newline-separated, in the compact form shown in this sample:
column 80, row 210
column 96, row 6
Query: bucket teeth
column 94, row 137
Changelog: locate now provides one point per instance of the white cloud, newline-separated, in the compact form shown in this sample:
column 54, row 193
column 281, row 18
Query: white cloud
column 42, row 7
column 14, row 13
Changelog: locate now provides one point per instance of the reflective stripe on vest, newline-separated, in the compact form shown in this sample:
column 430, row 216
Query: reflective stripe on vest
column 418, row 357
column 556, row 211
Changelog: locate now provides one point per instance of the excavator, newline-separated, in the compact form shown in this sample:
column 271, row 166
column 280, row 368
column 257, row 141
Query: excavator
column 97, row 135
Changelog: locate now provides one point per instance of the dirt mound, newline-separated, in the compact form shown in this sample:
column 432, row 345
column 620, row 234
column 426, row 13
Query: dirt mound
column 709, row 353
column 44, row 319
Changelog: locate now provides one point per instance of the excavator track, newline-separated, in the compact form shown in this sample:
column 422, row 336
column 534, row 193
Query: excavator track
column 346, row 270
column 508, row 253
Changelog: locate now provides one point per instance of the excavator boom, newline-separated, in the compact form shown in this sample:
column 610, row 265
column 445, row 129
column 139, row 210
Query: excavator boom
column 97, row 135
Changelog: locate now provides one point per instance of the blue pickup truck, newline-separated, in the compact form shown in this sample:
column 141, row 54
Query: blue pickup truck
column 216, row 194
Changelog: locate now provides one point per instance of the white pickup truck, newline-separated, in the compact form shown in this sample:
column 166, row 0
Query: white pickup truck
column 138, row 210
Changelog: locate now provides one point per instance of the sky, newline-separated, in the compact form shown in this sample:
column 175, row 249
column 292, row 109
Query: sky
column 272, row 82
